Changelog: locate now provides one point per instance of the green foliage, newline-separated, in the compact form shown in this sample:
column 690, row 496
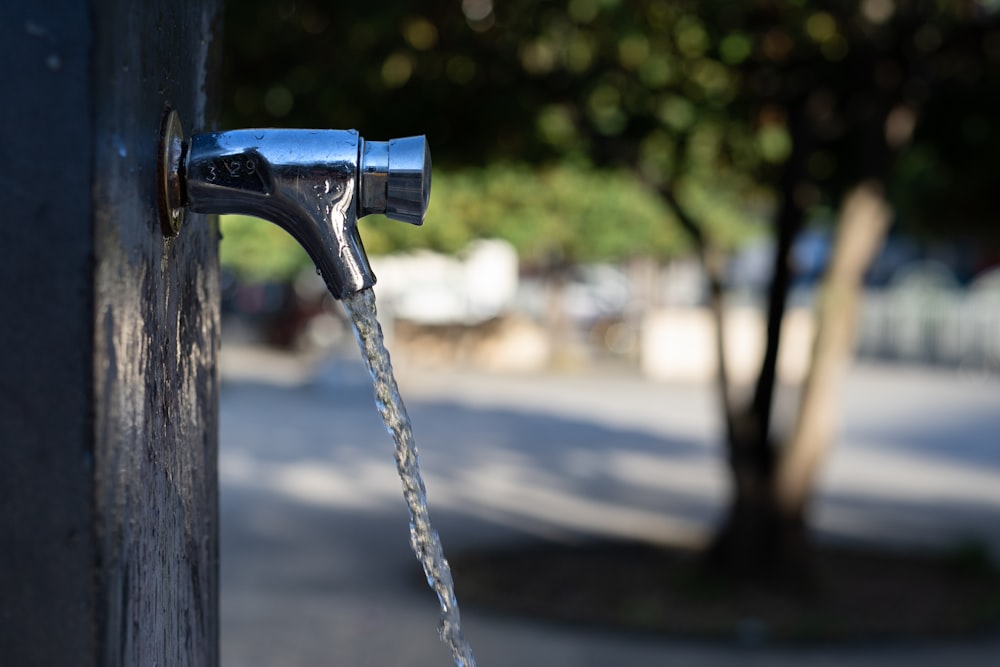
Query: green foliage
column 947, row 180
column 259, row 251
column 640, row 88
column 559, row 213
column 700, row 96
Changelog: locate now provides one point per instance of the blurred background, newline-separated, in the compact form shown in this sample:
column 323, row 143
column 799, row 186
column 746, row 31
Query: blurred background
column 585, row 135
column 713, row 274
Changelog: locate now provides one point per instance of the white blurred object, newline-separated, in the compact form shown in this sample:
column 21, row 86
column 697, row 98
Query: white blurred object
column 430, row 288
column 678, row 344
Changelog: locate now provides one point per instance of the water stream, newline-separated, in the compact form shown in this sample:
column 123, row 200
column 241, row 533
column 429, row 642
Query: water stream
column 423, row 538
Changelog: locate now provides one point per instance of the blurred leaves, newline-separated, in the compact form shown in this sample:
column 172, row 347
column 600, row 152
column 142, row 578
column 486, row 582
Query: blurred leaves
column 552, row 121
column 519, row 81
column 260, row 251
column 562, row 213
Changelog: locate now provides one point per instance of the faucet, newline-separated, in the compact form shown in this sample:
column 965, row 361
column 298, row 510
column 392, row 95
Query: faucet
column 315, row 184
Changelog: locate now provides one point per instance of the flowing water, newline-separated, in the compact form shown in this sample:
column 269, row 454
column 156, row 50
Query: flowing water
column 423, row 538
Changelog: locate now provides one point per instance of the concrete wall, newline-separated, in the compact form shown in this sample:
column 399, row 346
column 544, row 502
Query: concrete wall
column 678, row 344
column 108, row 341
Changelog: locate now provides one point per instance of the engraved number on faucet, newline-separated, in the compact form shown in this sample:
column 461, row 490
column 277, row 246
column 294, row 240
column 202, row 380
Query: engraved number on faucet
column 234, row 168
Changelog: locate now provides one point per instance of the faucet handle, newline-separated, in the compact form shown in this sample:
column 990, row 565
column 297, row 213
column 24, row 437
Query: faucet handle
column 395, row 179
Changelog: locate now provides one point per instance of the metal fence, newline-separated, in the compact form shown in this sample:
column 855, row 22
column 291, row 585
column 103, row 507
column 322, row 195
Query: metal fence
column 925, row 316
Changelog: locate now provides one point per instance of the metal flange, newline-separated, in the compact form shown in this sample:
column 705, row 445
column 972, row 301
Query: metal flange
column 170, row 156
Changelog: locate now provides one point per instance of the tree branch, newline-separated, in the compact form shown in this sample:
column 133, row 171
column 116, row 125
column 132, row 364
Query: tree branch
column 711, row 261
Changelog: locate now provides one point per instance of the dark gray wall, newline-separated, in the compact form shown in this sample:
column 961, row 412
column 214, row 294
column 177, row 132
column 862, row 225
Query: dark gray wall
column 108, row 341
column 47, row 552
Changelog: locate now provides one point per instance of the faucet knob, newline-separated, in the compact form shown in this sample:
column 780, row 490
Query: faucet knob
column 395, row 179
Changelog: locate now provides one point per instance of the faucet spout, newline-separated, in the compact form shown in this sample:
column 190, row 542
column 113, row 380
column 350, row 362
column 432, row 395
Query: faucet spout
column 315, row 184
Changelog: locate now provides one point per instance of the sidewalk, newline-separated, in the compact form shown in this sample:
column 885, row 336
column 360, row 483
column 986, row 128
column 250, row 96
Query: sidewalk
column 316, row 569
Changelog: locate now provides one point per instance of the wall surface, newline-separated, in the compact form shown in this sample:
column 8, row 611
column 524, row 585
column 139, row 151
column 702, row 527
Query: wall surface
column 108, row 341
column 47, row 552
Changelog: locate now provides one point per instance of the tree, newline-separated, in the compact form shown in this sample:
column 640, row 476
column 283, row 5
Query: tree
column 854, row 79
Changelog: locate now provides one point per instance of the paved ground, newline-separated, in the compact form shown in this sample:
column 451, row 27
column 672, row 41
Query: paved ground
column 316, row 568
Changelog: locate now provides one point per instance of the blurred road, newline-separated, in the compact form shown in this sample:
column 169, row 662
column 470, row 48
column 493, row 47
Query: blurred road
column 316, row 567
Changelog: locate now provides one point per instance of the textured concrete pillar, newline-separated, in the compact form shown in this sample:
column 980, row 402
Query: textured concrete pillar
column 108, row 341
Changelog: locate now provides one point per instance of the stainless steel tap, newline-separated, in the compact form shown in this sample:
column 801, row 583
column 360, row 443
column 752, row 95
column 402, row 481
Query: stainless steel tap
column 315, row 184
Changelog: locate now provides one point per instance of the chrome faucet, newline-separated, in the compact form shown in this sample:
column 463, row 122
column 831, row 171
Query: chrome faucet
column 315, row 184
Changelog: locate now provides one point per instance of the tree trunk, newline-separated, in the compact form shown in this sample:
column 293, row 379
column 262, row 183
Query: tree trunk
column 764, row 535
column 712, row 262
column 754, row 541
column 558, row 326
column 754, row 538
column 861, row 230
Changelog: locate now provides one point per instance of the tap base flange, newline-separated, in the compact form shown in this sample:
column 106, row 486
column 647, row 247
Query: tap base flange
column 170, row 154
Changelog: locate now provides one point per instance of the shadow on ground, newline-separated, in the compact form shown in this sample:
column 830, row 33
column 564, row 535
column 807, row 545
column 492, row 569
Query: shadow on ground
column 856, row 594
column 316, row 567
